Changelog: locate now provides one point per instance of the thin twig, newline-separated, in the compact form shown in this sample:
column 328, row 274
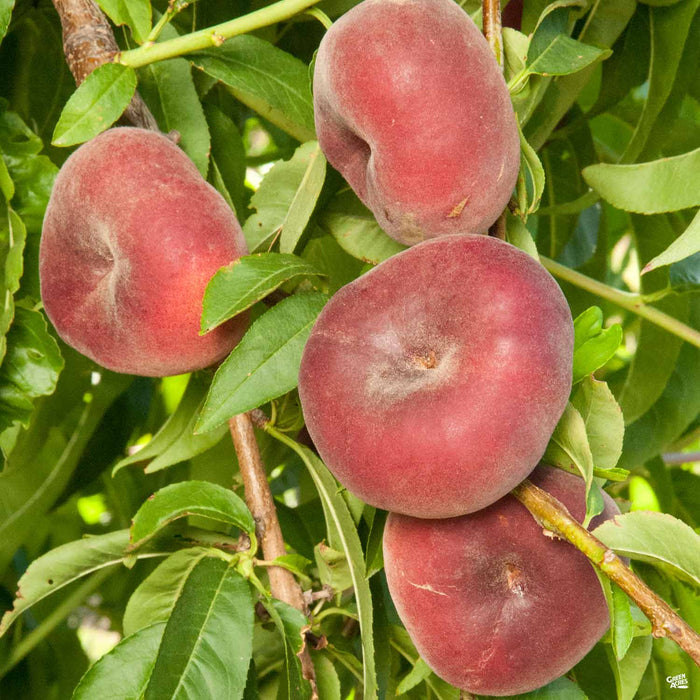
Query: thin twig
column 88, row 42
column 213, row 36
column 554, row 516
column 631, row 302
column 680, row 457
column 259, row 500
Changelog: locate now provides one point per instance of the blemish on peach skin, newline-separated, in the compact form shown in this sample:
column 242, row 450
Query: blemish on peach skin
column 459, row 208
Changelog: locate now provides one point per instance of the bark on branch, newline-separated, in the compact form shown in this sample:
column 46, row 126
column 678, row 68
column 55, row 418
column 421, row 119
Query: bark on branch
column 259, row 500
column 491, row 17
column 554, row 516
column 88, row 42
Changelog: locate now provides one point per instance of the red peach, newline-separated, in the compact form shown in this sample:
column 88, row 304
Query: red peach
column 132, row 234
column 411, row 107
column 493, row 605
column 432, row 384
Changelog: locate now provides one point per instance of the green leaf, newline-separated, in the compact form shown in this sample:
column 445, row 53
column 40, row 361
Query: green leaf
column 286, row 197
column 587, row 325
column 295, row 563
column 604, row 24
column 553, row 52
column 595, row 352
column 137, row 653
column 622, row 628
column 657, row 349
column 265, row 364
column 291, row 624
column 304, row 202
column 664, row 185
column 374, row 557
column 45, row 456
column 5, row 14
column 687, row 244
column 602, row 417
column 99, row 101
column 560, row 689
column 568, row 448
column 238, row 286
column 566, row 55
column 669, row 31
column 416, row 675
column 326, row 678
column 325, row 253
column 342, row 535
column 228, row 156
column 13, row 234
column 530, row 185
column 673, row 412
column 69, row 562
column 176, row 441
column 33, row 177
column 333, row 567
column 517, row 234
column 136, row 14
column 593, row 344
column 154, row 599
column 7, row 187
column 189, row 498
column 356, row 230
column 30, row 368
column 629, row 670
column 168, row 89
column 268, row 80
column 656, row 538
column 208, row 639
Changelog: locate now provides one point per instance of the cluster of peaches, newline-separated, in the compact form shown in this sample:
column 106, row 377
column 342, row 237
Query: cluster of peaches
column 430, row 385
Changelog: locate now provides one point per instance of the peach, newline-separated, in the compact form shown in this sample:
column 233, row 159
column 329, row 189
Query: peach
column 132, row 234
column 493, row 605
column 432, row 384
column 412, row 109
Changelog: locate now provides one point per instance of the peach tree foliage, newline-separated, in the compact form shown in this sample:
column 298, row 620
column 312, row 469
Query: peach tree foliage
column 610, row 116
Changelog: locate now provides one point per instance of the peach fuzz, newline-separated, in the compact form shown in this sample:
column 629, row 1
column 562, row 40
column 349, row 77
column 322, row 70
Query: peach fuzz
column 131, row 237
column 432, row 384
column 412, row 109
column 493, row 605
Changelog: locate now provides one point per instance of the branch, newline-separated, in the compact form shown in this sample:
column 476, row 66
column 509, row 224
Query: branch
column 554, row 516
column 259, row 500
column 88, row 42
column 631, row 302
column 212, row 36
column 491, row 14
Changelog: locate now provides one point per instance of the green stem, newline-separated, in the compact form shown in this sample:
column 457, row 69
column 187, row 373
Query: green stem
column 321, row 16
column 631, row 302
column 56, row 616
column 160, row 25
column 212, row 36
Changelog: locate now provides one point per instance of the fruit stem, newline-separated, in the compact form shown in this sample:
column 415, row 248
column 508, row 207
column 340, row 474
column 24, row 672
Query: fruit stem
column 151, row 52
column 491, row 15
column 632, row 302
column 554, row 516
column 259, row 500
column 491, row 11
